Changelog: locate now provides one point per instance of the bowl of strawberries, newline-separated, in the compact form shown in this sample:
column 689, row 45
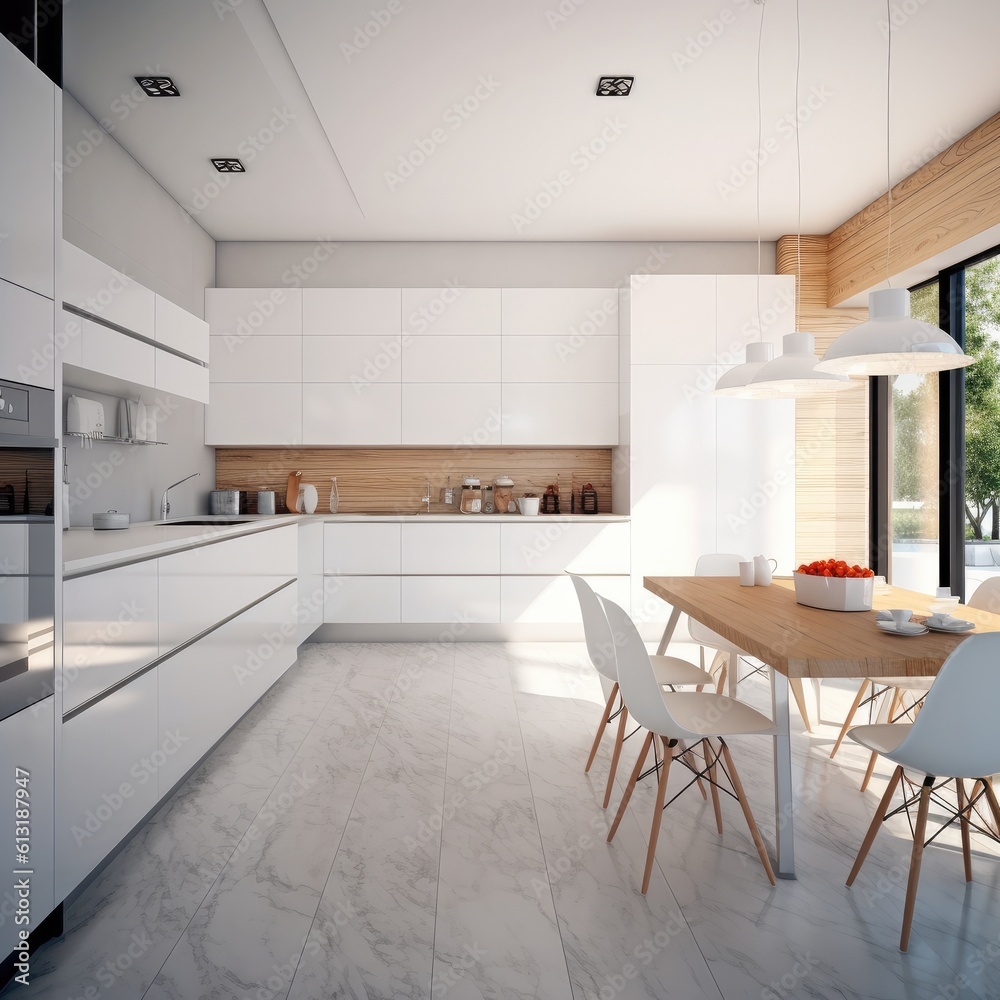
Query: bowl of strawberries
column 834, row 585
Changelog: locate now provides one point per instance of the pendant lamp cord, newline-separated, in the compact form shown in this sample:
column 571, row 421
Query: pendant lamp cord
column 798, row 175
column 888, row 119
column 760, row 140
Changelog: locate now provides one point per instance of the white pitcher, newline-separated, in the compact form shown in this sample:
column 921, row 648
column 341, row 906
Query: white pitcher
column 762, row 570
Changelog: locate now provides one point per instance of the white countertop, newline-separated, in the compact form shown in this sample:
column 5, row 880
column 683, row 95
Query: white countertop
column 86, row 550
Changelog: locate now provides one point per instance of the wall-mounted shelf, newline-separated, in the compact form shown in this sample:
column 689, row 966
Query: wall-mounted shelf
column 112, row 439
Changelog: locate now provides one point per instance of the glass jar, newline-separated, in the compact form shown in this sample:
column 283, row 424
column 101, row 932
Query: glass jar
column 503, row 495
column 472, row 496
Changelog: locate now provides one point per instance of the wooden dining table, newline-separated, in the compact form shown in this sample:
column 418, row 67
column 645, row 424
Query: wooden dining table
column 796, row 641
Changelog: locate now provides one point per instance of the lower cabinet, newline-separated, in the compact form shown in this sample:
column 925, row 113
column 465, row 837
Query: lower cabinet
column 26, row 747
column 362, row 599
column 107, row 777
column 448, row 599
column 541, row 599
column 309, row 609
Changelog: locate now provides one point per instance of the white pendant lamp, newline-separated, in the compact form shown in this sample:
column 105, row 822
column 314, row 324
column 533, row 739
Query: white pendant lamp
column 891, row 342
column 793, row 374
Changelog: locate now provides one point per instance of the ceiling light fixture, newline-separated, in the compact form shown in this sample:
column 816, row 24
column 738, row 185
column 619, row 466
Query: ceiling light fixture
column 157, row 86
column 228, row 165
column 615, row 86
column 794, row 374
column 890, row 342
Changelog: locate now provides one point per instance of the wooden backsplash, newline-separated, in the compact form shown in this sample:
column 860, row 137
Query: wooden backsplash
column 392, row 480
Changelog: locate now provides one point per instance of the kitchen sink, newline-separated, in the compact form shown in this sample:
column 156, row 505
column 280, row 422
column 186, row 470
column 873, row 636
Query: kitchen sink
column 207, row 520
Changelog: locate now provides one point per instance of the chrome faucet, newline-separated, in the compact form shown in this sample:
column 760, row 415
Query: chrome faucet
column 427, row 499
column 164, row 503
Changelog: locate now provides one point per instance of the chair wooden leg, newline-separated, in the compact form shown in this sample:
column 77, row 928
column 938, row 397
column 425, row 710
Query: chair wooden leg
column 795, row 683
column 992, row 799
column 964, row 823
column 748, row 815
column 897, row 698
column 712, row 772
column 619, row 741
column 720, row 687
column 600, row 729
column 636, row 771
column 855, row 705
column 883, row 808
column 654, row 832
column 916, row 858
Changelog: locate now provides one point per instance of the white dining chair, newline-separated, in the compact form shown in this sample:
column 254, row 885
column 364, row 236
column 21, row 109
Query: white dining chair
column 670, row 671
column 952, row 739
column 702, row 718
column 986, row 596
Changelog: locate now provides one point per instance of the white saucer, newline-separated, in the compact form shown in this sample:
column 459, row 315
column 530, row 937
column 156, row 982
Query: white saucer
column 909, row 629
column 953, row 629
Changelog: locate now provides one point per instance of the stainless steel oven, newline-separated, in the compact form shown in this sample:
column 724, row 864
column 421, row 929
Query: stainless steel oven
column 27, row 546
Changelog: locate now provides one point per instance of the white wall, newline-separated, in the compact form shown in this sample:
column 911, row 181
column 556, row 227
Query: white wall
column 116, row 211
column 474, row 265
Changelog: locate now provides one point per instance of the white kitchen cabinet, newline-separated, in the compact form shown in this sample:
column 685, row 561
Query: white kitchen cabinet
column 261, row 358
column 451, row 359
column 552, row 599
column 201, row 586
column 545, row 545
column 549, row 413
column 247, row 312
column 70, row 338
column 107, row 777
column 26, row 743
column 100, row 290
column 205, row 688
column 560, row 359
column 558, row 311
column 353, row 600
column 673, row 320
column 439, row 549
column 27, row 348
column 27, row 179
column 178, row 329
column 452, row 310
column 338, row 413
column 110, row 629
column 311, row 580
column 351, row 310
column 449, row 599
column 352, row 549
column 112, row 353
column 242, row 413
column 13, row 549
column 358, row 360
column 738, row 320
column 453, row 414
column 181, row 377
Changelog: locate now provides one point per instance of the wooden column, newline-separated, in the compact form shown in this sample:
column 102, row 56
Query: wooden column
column 831, row 431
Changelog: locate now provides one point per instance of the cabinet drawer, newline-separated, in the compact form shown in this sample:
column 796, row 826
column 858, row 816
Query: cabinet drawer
column 545, row 546
column 111, row 628
column 179, row 329
column 552, row 599
column 450, row 599
column 247, row 312
column 106, row 776
column 361, row 599
column 181, row 377
column 361, row 549
column 112, row 353
column 451, row 548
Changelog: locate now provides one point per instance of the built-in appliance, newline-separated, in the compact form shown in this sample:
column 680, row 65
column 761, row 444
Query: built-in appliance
column 27, row 546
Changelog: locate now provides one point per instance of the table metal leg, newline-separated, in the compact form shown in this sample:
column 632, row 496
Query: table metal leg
column 784, row 833
column 668, row 632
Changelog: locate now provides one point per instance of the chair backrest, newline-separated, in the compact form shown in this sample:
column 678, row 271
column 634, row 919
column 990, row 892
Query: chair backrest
column 640, row 691
column 955, row 734
column 596, row 630
column 987, row 596
column 713, row 564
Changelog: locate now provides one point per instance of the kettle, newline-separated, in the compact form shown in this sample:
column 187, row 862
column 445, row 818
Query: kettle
column 762, row 570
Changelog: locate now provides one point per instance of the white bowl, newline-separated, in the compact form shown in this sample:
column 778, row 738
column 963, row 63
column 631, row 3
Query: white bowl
column 834, row 593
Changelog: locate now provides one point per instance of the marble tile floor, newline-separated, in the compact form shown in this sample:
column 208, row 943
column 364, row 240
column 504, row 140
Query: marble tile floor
column 412, row 820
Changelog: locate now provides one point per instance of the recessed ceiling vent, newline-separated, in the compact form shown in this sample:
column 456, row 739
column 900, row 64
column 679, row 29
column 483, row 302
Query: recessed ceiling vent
column 158, row 86
column 228, row 165
column 615, row 86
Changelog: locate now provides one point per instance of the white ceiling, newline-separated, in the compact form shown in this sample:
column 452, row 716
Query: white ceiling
column 672, row 146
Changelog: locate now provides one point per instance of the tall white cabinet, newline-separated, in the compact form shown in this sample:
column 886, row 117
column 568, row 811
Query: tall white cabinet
column 703, row 473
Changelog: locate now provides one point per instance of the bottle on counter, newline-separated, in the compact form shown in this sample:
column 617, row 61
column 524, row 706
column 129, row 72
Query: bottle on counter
column 472, row 496
column 334, row 495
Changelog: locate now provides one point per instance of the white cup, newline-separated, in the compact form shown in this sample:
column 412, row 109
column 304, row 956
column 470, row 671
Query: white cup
column 528, row 505
column 900, row 616
column 762, row 570
column 746, row 574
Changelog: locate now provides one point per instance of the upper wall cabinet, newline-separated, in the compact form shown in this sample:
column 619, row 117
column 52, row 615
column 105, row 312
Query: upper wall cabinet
column 452, row 310
column 26, row 342
column 244, row 312
column 351, row 310
column 582, row 311
column 178, row 329
column 101, row 291
column 27, row 175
